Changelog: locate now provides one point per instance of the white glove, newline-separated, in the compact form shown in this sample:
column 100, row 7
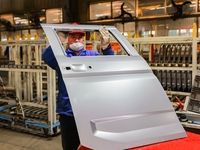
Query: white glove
column 104, row 37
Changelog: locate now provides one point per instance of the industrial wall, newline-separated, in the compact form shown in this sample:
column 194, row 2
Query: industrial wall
column 69, row 7
column 84, row 7
column 7, row 6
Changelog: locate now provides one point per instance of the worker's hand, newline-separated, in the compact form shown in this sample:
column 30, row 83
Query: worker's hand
column 104, row 37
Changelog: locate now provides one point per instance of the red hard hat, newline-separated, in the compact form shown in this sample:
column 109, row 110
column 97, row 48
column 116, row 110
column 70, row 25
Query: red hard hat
column 76, row 31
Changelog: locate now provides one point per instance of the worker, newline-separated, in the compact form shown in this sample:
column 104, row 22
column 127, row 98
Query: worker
column 74, row 40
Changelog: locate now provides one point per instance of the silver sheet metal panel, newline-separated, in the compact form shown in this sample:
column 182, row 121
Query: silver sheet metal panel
column 118, row 103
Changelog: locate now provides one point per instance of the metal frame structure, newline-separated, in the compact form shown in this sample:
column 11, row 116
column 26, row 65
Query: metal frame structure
column 171, row 40
column 117, row 101
column 30, row 80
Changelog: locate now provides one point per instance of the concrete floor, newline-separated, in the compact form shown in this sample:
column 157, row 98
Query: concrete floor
column 14, row 140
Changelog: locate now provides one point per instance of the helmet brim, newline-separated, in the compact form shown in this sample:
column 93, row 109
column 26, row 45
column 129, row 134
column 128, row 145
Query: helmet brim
column 77, row 32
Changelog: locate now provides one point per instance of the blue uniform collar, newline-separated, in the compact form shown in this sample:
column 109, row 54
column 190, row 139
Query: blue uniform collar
column 72, row 53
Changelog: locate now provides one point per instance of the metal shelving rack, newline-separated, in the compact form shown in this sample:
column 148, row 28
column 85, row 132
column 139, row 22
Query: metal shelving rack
column 31, row 81
column 170, row 40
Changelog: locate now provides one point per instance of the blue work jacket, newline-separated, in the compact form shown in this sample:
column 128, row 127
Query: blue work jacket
column 63, row 105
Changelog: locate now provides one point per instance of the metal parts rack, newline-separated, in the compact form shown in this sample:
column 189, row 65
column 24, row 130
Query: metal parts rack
column 31, row 80
column 173, row 60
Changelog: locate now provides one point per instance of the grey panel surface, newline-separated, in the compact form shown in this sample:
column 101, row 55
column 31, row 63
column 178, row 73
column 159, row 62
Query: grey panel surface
column 118, row 103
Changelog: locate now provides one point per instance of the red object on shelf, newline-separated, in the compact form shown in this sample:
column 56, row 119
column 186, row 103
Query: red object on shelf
column 180, row 104
column 89, row 46
column 115, row 46
column 192, row 142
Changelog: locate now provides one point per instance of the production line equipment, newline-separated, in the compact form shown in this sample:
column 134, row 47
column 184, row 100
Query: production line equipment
column 118, row 102
column 190, row 114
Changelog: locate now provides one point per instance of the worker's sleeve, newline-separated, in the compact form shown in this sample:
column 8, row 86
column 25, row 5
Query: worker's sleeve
column 108, row 51
column 49, row 58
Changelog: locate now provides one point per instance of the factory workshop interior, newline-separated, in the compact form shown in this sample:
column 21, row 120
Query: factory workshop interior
column 165, row 34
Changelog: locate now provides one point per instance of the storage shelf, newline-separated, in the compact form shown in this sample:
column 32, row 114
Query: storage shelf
column 22, row 70
column 177, row 93
column 172, row 65
column 24, row 103
column 172, row 68
column 26, row 75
